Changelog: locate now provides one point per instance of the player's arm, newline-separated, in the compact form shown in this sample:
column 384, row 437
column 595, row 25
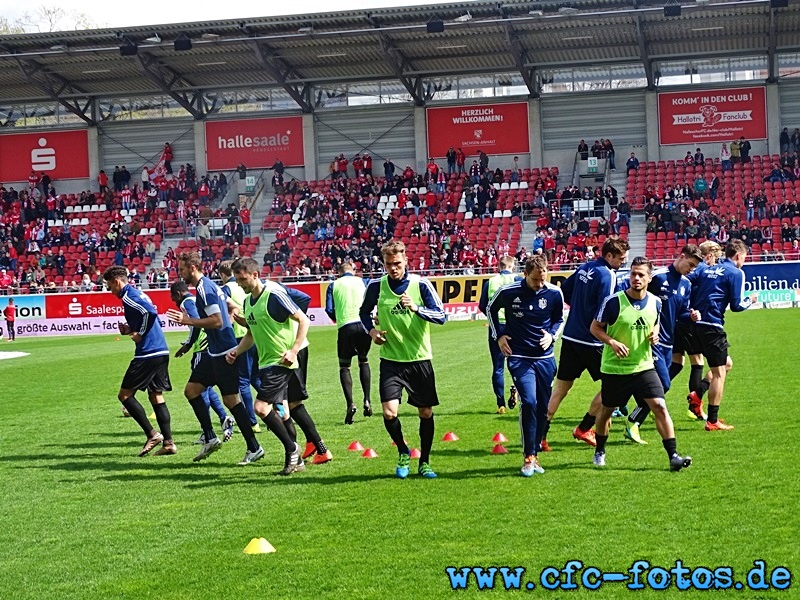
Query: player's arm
column 301, row 299
column 556, row 316
column 190, row 308
column 243, row 346
column 368, row 305
column 213, row 321
column 496, row 328
column 653, row 337
column 567, row 287
column 330, row 307
column 432, row 309
column 738, row 302
column 483, row 303
column 281, row 307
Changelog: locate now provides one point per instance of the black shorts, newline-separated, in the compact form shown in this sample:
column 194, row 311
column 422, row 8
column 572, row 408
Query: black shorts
column 713, row 344
column 685, row 339
column 151, row 374
column 273, row 384
column 618, row 389
column 417, row 378
column 353, row 341
column 297, row 384
column 212, row 371
column 576, row 358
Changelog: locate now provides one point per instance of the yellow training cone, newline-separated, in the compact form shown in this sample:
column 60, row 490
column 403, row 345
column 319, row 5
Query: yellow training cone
column 152, row 415
column 259, row 546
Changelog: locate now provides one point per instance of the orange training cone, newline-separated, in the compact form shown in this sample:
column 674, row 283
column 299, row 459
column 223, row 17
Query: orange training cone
column 259, row 546
column 415, row 453
column 395, row 443
column 499, row 449
column 450, row 437
column 369, row 453
column 499, row 438
column 355, row 446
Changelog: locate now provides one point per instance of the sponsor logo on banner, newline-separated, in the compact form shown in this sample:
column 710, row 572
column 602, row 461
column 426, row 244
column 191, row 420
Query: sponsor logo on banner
column 255, row 143
column 98, row 304
column 28, row 307
column 493, row 128
column 60, row 154
column 703, row 116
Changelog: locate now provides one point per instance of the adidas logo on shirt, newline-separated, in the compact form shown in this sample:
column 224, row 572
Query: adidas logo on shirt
column 639, row 324
column 399, row 309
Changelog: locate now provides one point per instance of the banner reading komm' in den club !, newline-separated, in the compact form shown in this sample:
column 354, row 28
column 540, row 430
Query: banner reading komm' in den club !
column 500, row 128
column 703, row 116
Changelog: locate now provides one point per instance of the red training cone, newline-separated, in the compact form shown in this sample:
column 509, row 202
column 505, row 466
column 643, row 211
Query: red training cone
column 355, row 446
column 499, row 449
column 369, row 453
column 450, row 437
column 395, row 443
column 499, row 438
column 415, row 453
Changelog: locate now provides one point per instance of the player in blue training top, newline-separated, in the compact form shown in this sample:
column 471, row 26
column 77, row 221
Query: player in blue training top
column 717, row 288
column 584, row 291
column 149, row 369
column 213, row 369
column 673, row 288
column 684, row 341
column 490, row 288
column 534, row 313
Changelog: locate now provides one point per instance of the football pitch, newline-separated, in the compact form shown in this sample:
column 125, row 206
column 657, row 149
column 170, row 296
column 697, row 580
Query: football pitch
column 82, row 517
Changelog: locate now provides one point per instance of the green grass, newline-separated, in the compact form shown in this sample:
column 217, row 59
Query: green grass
column 82, row 517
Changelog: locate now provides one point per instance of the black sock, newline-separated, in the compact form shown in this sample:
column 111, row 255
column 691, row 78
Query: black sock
column 365, row 375
column 426, row 429
column 639, row 414
column 587, row 423
column 306, row 423
column 713, row 413
column 347, row 385
column 239, row 413
column 695, row 377
column 136, row 411
column 162, row 416
column 289, row 424
column 671, row 446
column 201, row 412
column 396, row 433
column 601, row 443
column 703, row 388
column 545, row 429
column 276, row 425
column 674, row 369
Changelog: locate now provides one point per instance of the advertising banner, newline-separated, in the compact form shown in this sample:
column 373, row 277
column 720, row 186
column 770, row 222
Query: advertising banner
column 493, row 128
column 255, row 143
column 703, row 116
column 60, row 154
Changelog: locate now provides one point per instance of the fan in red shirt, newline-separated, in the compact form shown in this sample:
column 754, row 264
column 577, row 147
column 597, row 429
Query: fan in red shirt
column 10, row 313
column 244, row 215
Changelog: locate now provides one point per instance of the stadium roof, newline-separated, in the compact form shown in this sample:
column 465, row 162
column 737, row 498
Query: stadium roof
column 297, row 52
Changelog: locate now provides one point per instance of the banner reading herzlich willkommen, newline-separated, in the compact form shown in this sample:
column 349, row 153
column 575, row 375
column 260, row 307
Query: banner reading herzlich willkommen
column 703, row 116
column 494, row 128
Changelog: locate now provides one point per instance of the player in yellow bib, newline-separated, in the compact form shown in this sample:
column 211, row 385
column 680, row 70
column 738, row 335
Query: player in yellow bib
column 407, row 304
column 628, row 326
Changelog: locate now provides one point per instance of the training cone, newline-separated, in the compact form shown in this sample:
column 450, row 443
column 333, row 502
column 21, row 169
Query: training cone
column 395, row 443
column 499, row 438
column 499, row 449
column 355, row 446
column 450, row 437
column 152, row 415
column 259, row 546
column 369, row 453
column 415, row 453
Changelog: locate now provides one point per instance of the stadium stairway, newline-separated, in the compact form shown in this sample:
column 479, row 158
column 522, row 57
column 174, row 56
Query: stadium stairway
column 636, row 236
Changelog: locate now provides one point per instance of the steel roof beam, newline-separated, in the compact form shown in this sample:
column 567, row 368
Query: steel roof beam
column 57, row 87
column 168, row 81
column 399, row 64
column 277, row 68
column 772, row 49
column 647, row 62
column 522, row 59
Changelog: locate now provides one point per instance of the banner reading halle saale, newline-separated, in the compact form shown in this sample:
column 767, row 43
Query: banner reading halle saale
column 493, row 128
column 255, row 143
column 704, row 116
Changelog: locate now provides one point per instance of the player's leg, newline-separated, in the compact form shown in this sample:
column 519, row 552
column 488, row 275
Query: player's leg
column 391, row 387
column 362, row 345
column 245, row 366
column 560, row 391
column 524, row 377
column 666, row 429
column 164, row 423
column 422, row 395
column 137, row 377
column 498, row 375
column 345, row 352
column 545, row 373
column 273, row 390
column 615, row 391
column 298, row 412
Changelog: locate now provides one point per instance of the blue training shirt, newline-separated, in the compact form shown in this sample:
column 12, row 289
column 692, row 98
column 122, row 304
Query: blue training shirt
column 211, row 300
column 715, row 289
column 585, row 291
column 142, row 317
column 528, row 315
column 674, row 290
